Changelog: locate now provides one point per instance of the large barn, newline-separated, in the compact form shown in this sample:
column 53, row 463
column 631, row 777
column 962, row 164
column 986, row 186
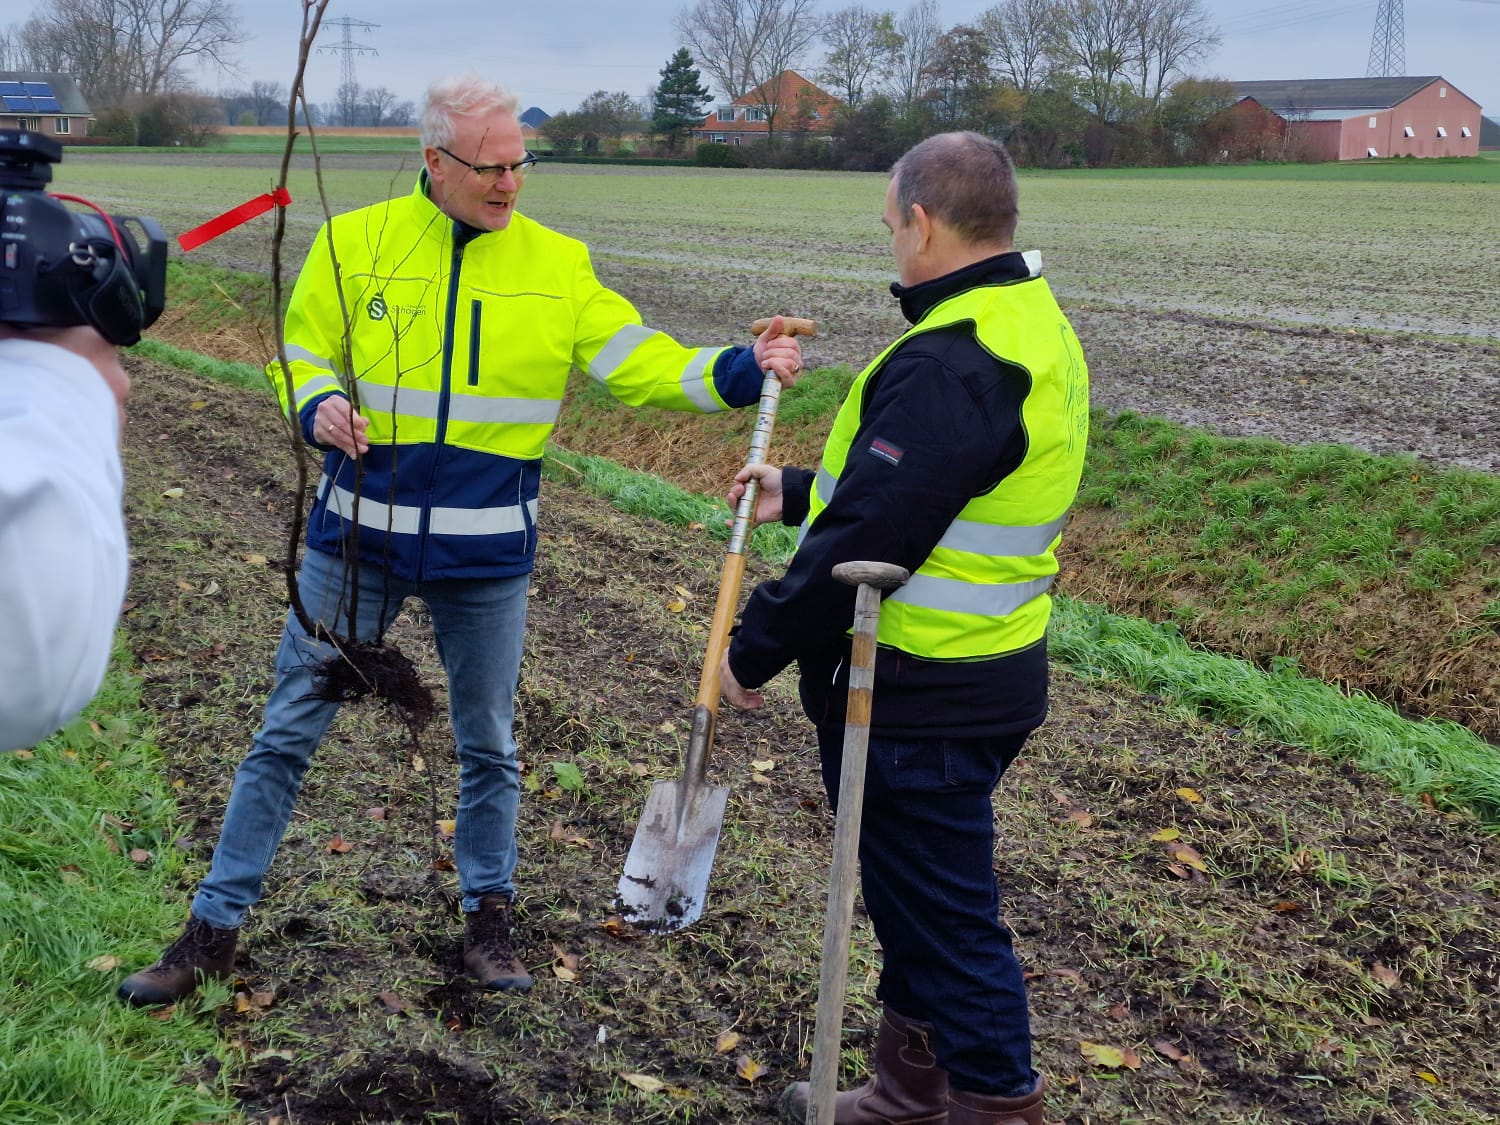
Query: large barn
column 1357, row 118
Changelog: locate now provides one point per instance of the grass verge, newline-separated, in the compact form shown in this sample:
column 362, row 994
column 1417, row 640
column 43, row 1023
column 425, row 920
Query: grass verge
column 86, row 863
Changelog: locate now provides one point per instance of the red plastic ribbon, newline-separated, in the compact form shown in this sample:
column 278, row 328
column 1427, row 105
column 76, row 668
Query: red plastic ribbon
column 233, row 218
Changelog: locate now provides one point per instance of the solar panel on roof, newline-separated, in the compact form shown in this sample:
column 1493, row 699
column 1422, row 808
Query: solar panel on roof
column 47, row 104
column 21, row 104
column 38, row 89
column 11, row 89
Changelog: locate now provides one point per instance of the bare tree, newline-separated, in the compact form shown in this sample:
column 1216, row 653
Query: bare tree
column 1020, row 32
column 1097, row 41
column 962, row 79
column 745, row 45
column 861, row 45
column 377, row 103
column 919, row 28
column 1169, row 34
column 346, row 103
column 115, row 48
column 267, row 100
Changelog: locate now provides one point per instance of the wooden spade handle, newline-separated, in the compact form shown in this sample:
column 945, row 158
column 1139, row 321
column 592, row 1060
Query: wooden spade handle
column 794, row 326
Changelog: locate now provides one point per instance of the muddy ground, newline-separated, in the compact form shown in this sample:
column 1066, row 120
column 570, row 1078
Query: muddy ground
column 1334, row 962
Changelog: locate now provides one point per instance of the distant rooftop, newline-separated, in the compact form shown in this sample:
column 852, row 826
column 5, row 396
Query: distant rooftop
column 536, row 117
column 1307, row 95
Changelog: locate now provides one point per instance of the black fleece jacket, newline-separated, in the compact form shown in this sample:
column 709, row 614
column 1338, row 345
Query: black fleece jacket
column 941, row 424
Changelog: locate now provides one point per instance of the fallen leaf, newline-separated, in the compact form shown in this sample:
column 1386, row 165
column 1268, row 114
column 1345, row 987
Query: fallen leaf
column 392, row 1002
column 760, row 765
column 241, row 1002
column 567, row 960
column 1186, row 854
column 557, row 830
column 1118, row 1012
column 615, row 926
column 760, row 779
column 1428, row 1076
column 1286, row 907
column 682, row 592
column 181, row 585
column 445, row 828
column 104, row 963
column 376, row 813
column 1191, row 796
column 1111, row 1058
column 257, row 560
column 748, row 1069
column 1386, row 975
column 1168, row 1050
column 197, row 404
column 139, row 855
column 695, row 526
column 676, row 605
column 726, row 1042
column 562, row 972
column 644, row 1082
column 211, row 589
column 418, row 763
column 25, row 755
column 1166, row 835
column 1082, row 817
column 173, row 494
column 68, row 755
column 640, row 769
column 1180, row 871
column 262, row 1000
column 339, row 844
column 1067, row 974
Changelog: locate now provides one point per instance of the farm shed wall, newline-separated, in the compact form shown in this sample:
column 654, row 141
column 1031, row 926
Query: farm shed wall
column 1435, row 109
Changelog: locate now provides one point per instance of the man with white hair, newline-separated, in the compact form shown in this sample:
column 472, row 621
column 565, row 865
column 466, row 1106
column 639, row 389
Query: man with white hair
column 428, row 345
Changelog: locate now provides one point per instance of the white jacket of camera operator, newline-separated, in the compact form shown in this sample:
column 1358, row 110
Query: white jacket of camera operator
column 63, row 557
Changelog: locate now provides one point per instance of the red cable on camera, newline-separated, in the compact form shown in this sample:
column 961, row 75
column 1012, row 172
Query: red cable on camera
column 232, row 218
column 110, row 223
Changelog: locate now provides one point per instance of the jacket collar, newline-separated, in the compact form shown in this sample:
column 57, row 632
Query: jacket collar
column 463, row 233
column 919, row 300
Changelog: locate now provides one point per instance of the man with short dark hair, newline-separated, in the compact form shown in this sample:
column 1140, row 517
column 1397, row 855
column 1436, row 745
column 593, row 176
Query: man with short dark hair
column 464, row 320
column 956, row 455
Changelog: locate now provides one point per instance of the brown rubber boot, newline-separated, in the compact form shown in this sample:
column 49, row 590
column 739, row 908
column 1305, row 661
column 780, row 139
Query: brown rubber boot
column 965, row 1108
column 908, row 1088
column 489, row 955
column 201, row 953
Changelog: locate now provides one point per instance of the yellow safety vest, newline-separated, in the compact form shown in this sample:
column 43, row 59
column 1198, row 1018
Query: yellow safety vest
column 983, row 590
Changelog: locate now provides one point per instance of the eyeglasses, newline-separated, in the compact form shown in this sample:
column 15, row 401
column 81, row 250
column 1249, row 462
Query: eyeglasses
column 490, row 173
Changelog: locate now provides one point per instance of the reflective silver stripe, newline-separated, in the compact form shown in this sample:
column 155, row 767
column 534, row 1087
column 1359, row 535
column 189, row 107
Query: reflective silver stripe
column 695, row 382
column 406, row 519
column 461, row 408
column 480, row 521
column 999, row 540
column 988, row 599
column 295, row 352
column 620, row 347
column 825, row 482
column 316, row 386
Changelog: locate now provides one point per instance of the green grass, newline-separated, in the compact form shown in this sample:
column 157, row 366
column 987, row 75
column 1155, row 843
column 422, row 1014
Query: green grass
column 71, row 811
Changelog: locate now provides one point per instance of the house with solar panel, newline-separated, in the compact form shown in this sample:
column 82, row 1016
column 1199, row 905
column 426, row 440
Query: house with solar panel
column 43, row 103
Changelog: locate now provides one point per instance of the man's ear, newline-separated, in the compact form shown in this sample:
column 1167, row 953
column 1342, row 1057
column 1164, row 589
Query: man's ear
column 430, row 156
column 923, row 222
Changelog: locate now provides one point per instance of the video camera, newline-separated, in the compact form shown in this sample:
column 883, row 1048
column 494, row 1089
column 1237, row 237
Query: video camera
column 60, row 267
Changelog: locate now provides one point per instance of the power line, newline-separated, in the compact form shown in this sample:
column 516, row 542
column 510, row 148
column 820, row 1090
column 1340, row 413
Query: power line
column 1285, row 16
column 1388, row 44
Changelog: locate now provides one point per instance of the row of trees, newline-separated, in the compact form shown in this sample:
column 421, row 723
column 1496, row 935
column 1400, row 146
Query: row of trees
column 1065, row 80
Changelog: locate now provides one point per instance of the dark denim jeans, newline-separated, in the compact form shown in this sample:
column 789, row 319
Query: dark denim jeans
column 479, row 626
column 926, row 853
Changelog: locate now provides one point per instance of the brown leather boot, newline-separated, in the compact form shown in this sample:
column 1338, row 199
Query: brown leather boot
column 201, row 953
column 908, row 1086
column 489, row 954
column 965, row 1108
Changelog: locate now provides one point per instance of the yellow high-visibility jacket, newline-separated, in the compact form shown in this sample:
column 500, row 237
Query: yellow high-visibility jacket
column 458, row 350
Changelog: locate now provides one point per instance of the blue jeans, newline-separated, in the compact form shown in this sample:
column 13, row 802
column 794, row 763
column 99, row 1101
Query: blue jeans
column 479, row 626
column 926, row 852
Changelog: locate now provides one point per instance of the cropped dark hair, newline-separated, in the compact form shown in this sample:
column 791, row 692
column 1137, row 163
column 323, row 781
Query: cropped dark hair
column 966, row 180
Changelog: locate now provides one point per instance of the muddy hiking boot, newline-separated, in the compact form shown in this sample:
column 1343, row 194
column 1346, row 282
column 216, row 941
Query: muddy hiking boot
column 965, row 1108
column 908, row 1088
column 489, row 954
column 201, row 953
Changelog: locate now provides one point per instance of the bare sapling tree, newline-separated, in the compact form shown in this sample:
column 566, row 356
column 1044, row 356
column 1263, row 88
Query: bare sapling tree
column 363, row 667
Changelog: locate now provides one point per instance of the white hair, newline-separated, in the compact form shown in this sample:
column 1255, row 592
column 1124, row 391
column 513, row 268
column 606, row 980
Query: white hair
column 462, row 94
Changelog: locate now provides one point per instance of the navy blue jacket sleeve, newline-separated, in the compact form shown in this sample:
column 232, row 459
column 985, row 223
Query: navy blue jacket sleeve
column 737, row 377
column 930, row 438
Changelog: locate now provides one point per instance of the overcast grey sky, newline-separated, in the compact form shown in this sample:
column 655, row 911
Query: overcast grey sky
column 555, row 53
